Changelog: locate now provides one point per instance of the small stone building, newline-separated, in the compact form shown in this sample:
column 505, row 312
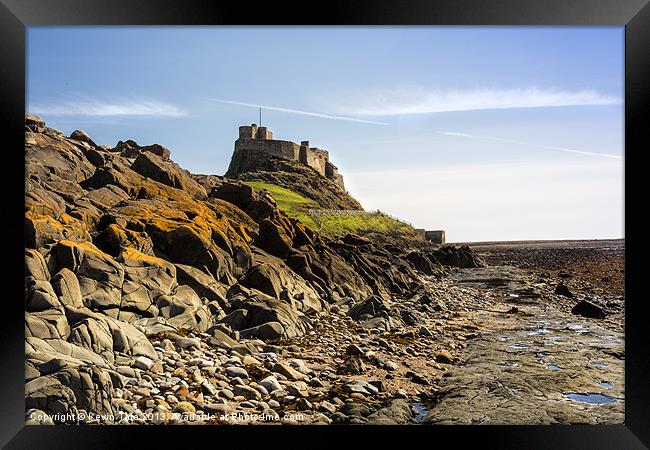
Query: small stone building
column 435, row 236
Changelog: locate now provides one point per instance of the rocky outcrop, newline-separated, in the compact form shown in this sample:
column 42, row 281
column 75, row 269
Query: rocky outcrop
column 122, row 246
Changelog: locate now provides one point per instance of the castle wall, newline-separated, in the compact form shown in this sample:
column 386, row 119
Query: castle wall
column 283, row 149
column 255, row 142
column 315, row 158
column 332, row 172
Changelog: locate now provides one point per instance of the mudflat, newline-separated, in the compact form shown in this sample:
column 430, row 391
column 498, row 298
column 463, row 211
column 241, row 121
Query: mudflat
column 534, row 361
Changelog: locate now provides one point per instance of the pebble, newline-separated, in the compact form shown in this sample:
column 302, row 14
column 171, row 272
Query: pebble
column 401, row 393
column 234, row 371
column 226, row 393
column 208, row 388
column 247, row 392
column 142, row 362
column 326, row 406
column 186, row 342
column 184, row 407
column 270, row 383
column 391, row 366
column 443, row 357
column 289, row 372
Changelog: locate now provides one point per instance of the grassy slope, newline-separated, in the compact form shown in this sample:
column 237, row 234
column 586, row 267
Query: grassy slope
column 336, row 225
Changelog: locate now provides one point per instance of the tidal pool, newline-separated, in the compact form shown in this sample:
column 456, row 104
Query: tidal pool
column 590, row 397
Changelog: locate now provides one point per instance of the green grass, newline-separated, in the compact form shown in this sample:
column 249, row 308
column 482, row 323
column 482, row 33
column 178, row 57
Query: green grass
column 288, row 200
column 297, row 206
column 340, row 225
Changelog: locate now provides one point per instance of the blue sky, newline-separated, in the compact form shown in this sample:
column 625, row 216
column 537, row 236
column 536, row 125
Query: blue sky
column 492, row 133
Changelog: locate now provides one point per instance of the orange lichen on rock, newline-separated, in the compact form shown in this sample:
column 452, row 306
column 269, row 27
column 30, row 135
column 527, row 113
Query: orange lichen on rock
column 42, row 229
column 86, row 247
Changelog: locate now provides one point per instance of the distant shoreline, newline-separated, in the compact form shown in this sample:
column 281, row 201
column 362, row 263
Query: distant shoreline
column 539, row 241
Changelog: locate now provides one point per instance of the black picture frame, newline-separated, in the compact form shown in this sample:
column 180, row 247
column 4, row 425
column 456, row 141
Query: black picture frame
column 17, row 15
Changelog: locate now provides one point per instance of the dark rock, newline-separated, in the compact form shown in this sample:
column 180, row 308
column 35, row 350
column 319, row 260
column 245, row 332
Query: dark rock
column 354, row 349
column 95, row 157
column 159, row 150
column 423, row 264
column 373, row 306
column 562, row 289
column 409, row 317
column 352, row 365
column 263, row 311
column 463, row 257
column 587, row 309
column 353, row 239
column 273, row 239
column 266, row 331
column 417, row 377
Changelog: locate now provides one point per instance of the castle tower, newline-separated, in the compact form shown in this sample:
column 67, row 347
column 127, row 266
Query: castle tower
column 248, row 132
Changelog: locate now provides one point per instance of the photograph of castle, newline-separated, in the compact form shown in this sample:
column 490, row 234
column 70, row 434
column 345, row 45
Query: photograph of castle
column 348, row 226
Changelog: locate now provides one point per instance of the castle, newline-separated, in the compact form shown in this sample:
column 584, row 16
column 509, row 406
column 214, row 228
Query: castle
column 255, row 143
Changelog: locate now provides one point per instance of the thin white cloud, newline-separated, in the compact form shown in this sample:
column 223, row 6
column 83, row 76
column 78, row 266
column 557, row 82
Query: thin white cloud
column 400, row 102
column 125, row 107
column 510, row 141
column 297, row 111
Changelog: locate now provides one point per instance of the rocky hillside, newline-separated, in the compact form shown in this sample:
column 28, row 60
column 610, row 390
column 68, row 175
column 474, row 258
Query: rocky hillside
column 302, row 179
column 148, row 288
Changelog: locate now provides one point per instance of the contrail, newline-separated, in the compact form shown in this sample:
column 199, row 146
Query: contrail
column 296, row 111
column 509, row 141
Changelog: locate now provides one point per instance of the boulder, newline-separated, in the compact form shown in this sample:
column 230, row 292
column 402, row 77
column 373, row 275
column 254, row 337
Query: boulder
column 202, row 283
column 82, row 136
column 49, row 324
column 562, row 289
column 274, row 278
column 40, row 296
column 54, row 398
column 35, row 265
column 423, row 264
column 266, row 331
column 66, row 287
column 587, row 309
column 263, row 310
column 398, row 412
column 273, row 239
column 372, row 306
column 159, row 150
column 96, row 336
column 34, row 123
column 100, row 276
column 450, row 255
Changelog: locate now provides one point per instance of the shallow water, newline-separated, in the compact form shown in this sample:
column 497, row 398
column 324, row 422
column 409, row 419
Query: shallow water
column 591, row 397
column 421, row 411
column 598, row 364
column 519, row 346
column 606, row 384
column 553, row 367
